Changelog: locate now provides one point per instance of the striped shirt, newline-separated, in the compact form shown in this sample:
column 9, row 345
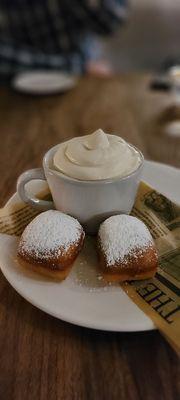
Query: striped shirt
column 53, row 34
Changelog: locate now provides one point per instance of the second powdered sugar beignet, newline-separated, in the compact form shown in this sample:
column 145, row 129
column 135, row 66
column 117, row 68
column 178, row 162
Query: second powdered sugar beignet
column 126, row 249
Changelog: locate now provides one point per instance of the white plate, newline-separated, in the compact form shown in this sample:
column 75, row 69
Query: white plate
column 82, row 299
column 43, row 82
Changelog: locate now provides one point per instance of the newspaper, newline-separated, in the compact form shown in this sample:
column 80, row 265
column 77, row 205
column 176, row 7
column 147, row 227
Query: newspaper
column 157, row 297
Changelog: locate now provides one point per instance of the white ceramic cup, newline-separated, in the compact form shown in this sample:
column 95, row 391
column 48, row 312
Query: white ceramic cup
column 90, row 202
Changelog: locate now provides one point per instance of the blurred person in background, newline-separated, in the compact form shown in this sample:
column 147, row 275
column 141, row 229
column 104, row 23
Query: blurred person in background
column 55, row 34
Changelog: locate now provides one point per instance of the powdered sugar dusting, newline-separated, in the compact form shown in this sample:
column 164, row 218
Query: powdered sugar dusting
column 51, row 232
column 121, row 235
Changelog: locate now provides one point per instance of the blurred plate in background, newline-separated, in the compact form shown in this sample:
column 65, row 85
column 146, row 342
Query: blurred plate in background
column 43, row 82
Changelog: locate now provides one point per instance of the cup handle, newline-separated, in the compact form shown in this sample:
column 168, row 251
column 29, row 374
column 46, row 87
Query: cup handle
column 25, row 177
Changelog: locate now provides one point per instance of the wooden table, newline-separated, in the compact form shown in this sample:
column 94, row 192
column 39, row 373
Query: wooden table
column 44, row 358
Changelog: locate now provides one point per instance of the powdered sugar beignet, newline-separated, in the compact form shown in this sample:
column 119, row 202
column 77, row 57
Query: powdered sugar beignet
column 50, row 244
column 126, row 249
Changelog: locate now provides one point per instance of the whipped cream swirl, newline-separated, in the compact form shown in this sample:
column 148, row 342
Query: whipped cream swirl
column 96, row 156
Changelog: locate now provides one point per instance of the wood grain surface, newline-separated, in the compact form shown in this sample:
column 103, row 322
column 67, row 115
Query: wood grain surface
column 42, row 357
